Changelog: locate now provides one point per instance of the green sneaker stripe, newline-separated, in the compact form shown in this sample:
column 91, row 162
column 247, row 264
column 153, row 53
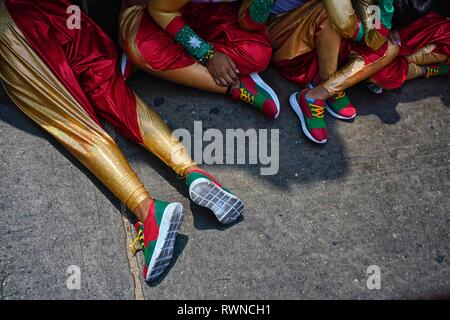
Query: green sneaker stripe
column 160, row 206
column 261, row 98
column 315, row 123
column 339, row 104
column 194, row 176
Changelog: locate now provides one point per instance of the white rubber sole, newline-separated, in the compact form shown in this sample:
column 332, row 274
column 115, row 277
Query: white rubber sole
column 170, row 225
column 296, row 107
column 226, row 206
column 374, row 88
column 259, row 81
column 337, row 116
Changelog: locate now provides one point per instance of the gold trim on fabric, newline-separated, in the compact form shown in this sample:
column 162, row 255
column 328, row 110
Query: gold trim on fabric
column 129, row 22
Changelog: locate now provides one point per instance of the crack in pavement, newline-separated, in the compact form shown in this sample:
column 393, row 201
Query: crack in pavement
column 127, row 226
column 132, row 260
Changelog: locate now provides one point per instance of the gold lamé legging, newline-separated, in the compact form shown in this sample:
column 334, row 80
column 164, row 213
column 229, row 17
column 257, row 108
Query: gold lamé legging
column 422, row 57
column 417, row 60
column 35, row 89
column 356, row 70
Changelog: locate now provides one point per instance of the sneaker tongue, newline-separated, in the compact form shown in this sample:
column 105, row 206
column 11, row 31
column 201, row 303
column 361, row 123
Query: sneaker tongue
column 317, row 102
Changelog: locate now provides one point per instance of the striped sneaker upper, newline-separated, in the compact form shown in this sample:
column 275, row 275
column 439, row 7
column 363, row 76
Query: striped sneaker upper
column 150, row 230
column 252, row 93
column 342, row 105
column 197, row 174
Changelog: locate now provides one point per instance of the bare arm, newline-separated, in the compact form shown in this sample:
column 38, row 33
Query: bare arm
column 167, row 15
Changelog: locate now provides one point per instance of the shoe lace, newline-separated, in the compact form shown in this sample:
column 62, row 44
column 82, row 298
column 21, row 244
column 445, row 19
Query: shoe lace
column 316, row 110
column 246, row 96
column 140, row 239
column 340, row 95
column 432, row 72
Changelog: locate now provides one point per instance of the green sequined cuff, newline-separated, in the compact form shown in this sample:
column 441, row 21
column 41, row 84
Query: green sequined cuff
column 260, row 10
column 204, row 61
column 195, row 45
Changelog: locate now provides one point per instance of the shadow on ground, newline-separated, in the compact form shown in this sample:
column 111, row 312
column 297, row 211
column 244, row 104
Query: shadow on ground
column 312, row 229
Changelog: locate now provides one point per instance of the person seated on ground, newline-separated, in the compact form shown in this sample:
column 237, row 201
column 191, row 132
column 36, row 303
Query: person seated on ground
column 202, row 44
column 66, row 80
column 424, row 40
column 312, row 39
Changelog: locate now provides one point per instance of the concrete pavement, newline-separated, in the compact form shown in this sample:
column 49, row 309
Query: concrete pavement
column 376, row 194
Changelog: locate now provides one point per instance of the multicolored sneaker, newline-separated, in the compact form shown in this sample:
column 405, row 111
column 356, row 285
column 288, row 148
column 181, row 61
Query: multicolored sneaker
column 157, row 237
column 311, row 114
column 254, row 91
column 437, row 70
column 341, row 107
column 374, row 88
column 205, row 191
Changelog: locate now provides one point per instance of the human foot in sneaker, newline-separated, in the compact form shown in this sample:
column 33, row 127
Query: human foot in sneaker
column 254, row 91
column 374, row 88
column 437, row 70
column 157, row 237
column 205, row 191
column 311, row 113
column 341, row 107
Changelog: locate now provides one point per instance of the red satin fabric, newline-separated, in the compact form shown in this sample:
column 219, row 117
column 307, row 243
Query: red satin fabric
column 431, row 29
column 216, row 23
column 304, row 69
column 84, row 60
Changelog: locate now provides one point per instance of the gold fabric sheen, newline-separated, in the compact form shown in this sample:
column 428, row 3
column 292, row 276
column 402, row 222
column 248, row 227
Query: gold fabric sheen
column 342, row 16
column 415, row 71
column 426, row 55
column 357, row 70
column 307, row 28
column 40, row 95
column 159, row 139
column 129, row 22
column 294, row 33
